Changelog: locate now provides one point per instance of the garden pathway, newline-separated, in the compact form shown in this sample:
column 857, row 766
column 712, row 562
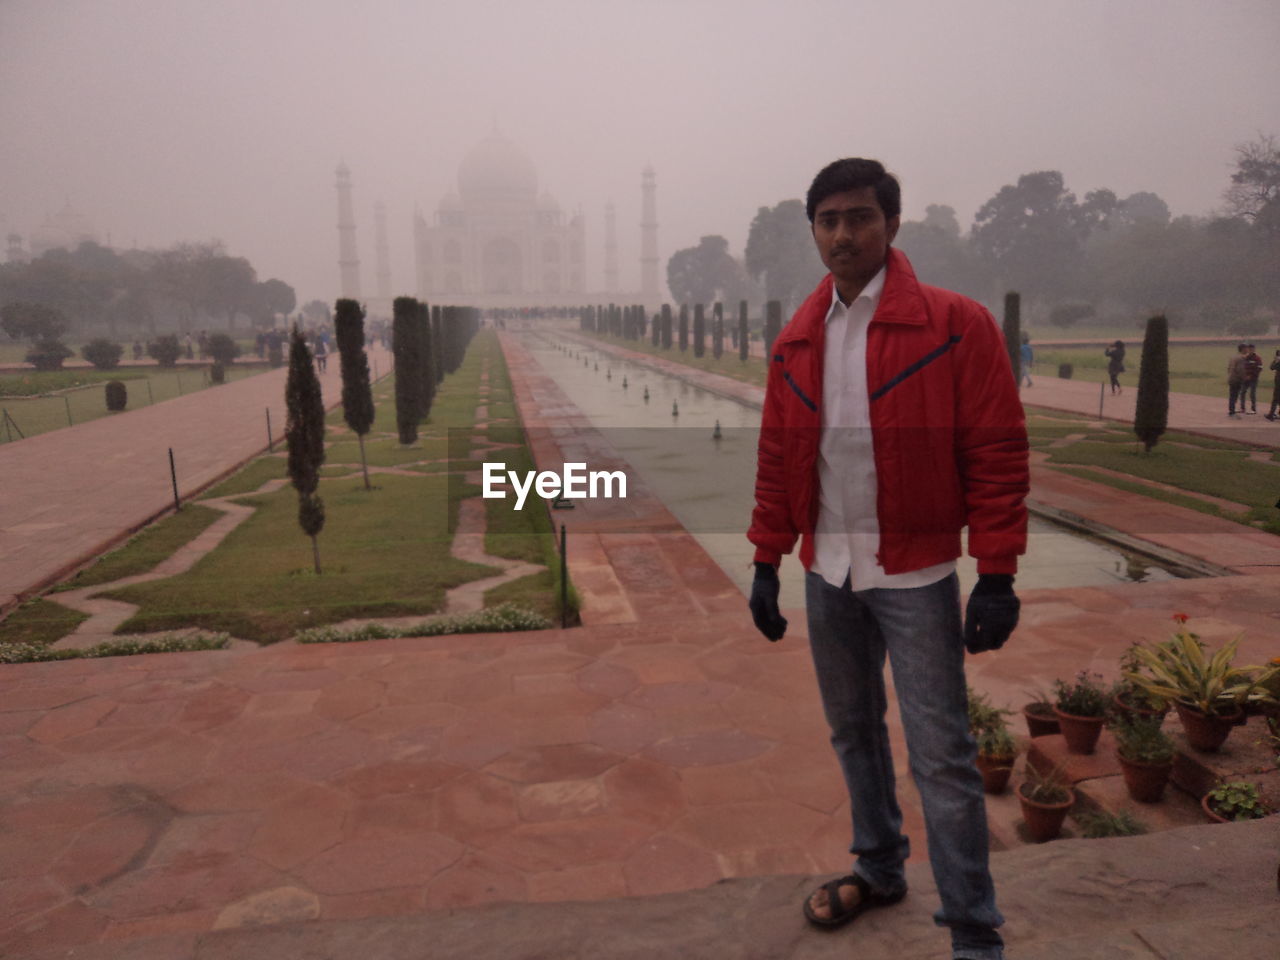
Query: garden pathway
column 70, row 495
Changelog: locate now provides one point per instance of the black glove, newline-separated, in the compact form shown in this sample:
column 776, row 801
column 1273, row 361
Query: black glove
column 992, row 613
column 764, row 602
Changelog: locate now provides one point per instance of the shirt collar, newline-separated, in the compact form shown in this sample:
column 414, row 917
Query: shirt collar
column 871, row 292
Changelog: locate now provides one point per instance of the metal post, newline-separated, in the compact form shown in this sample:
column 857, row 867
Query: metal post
column 67, row 401
column 564, row 581
column 178, row 374
column 1102, row 392
column 150, row 397
column 270, row 448
column 173, row 475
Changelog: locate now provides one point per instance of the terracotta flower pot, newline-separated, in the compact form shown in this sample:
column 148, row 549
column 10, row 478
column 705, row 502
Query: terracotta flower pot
column 1145, row 781
column 1039, row 724
column 1128, row 711
column 1081, row 733
column 1205, row 731
column 1044, row 820
column 995, row 772
column 1210, row 812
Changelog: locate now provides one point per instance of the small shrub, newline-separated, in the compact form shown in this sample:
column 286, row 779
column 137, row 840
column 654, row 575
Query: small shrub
column 275, row 352
column 48, row 355
column 223, row 349
column 501, row 619
column 218, row 373
column 117, row 395
column 102, row 353
column 165, row 350
column 1141, row 740
column 1065, row 370
column 1042, row 787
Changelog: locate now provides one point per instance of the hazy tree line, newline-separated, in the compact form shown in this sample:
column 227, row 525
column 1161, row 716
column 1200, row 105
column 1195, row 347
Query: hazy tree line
column 188, row 286
column 1100, row 258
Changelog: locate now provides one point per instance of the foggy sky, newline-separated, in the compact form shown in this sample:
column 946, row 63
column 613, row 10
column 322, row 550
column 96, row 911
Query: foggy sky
column 167, row 120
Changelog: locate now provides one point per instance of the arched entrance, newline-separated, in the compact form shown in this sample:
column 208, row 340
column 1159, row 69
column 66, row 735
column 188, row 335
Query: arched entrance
column 500, row 264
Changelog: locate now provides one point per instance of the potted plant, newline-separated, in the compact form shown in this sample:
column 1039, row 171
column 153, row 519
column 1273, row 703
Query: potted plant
column 1081, row 708
column 1236, row 800
column 1146, row 757
column 1039, row 715
column 1206, row 691
column 997, row 749
column 1131, row 700
column 1045, row 800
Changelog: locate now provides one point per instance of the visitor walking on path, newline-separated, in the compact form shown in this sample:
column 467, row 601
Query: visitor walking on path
column 322, row 354
column 1252, row 371
column 1235, row 380
column 1275, row 392
column 1027, row 358
column 1115, row 366
column 870, row 358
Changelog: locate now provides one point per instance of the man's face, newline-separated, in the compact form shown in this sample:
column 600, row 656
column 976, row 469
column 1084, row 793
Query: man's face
column 853, row 237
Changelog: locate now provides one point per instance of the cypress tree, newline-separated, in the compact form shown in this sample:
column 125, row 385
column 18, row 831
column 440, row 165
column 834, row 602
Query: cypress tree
column 655, row 332
column 1013, row 332
column 744, row 338
column 426, row 361
column 404, row 347
column 717, row 330
column 699, row 331
column 666, row 326
column 304, row 433
column 437, row 339
column 1152, row 413
column 357, row 394
column 684, row 327
column 772, row 325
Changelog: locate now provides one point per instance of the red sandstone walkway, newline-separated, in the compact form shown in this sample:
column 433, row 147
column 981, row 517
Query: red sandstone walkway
column 69, row 494
column 660, row 749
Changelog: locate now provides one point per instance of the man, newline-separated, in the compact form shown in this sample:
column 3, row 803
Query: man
column 1275, row 391
column 1235, row 380
column 891, row 420
column 1252, row 371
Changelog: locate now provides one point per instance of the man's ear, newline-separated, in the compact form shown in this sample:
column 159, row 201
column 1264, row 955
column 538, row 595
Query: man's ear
column 891, row 228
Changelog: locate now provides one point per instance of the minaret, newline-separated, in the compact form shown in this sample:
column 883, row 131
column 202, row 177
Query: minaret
column 348, row 262
column 380, row 250
column 648, row 237
column 610, row 249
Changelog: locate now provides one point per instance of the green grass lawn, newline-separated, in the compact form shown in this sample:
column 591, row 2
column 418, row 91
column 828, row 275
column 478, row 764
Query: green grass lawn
column 39, row 622
column 40, row 414
column 1197, row 370
column 384, row 552
column 157, row 542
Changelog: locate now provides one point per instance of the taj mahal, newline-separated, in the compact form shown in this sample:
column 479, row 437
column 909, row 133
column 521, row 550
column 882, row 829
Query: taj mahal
column 496, row 241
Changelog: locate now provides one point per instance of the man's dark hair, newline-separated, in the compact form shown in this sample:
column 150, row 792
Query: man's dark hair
column 854, row 173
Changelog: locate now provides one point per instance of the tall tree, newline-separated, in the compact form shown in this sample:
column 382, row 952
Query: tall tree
column 702, row 273
column 744, row 339
column 1152, row 413
column 404, row 347
column 357, row 393
column 780, row 252
column 1028, row 234
column 304, row 433
column 426, row 361
column 1255, row 184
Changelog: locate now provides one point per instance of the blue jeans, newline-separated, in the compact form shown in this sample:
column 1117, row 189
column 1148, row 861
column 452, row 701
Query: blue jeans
column 849, row 633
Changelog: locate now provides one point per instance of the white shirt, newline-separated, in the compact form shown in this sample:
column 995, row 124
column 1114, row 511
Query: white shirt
column 847, row 535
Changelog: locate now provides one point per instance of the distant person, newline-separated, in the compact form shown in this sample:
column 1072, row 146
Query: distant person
column 1115, row 366
column 1027, row 359
column 137, row 350
column 1252, row 371
column 322, row 354
column 1235, row 379
column 1275, row 392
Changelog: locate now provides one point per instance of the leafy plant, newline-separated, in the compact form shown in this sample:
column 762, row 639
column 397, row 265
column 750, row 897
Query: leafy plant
column 1128, row 692
column 1178, row 669
column 1045, row 786
column 117, row 395
column 48, row 354
column 1237, row 800
column 997, row 744
column 1086, row 697
column 1095, row 826
column 223, row 349
column 165, row 350
column 1141, row 740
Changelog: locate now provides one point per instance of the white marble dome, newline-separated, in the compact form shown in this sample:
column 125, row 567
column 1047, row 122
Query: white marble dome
column 496, row 167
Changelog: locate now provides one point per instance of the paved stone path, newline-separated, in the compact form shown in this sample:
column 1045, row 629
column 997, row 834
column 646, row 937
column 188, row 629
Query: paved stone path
column 297, row 800
column 71, row 494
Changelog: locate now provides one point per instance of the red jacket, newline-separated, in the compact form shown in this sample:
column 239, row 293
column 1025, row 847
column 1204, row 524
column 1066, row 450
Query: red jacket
column 947, row 426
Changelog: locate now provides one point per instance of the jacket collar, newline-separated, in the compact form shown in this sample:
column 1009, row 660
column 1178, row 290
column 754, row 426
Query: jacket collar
column 901, row 302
